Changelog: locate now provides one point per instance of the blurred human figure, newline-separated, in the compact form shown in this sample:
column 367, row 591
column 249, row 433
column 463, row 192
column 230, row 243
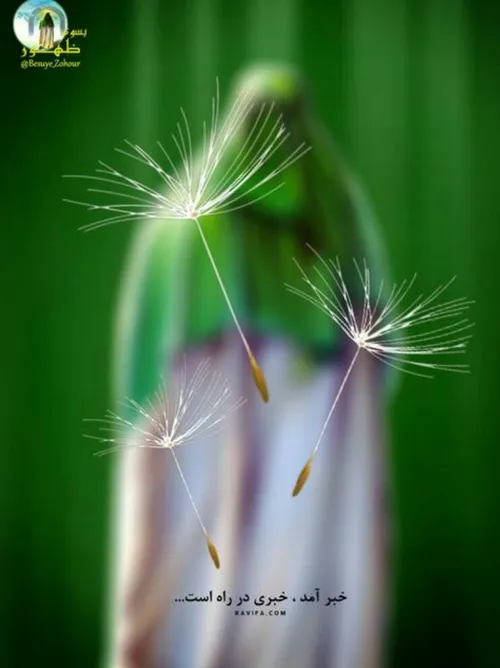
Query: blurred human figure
column 46, row 39
column 332, row 538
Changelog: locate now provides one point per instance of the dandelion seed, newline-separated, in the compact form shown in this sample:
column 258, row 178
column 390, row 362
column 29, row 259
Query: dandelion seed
column 213, row 553
column 171, row 419
column 218, row 182
column 303, row 476
column 378, row 326
column 259, row 379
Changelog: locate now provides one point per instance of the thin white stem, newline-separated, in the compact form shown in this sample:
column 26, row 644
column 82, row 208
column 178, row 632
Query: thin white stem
column 184, row 482
column 335, row 401
column 223, row 289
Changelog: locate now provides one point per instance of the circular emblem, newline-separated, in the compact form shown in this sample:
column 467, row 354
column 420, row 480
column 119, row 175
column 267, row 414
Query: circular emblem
column 40, row 24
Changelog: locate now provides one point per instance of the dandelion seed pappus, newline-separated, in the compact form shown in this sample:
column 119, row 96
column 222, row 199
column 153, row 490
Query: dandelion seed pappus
column 380, row 329
column 171, row 419
column 215, row 181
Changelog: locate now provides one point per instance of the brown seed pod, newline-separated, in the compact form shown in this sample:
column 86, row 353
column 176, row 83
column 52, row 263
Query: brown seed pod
column 213, row 553
column 259, row 379
column 302, row 477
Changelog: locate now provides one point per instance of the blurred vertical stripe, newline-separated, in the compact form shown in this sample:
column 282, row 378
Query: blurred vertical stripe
column 273, row 29
column 146, row 40
column 376, row 69
column 445, row 184
column 204, row 37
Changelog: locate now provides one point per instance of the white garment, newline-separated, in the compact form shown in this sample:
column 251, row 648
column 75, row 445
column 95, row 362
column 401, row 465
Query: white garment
column 332, row 536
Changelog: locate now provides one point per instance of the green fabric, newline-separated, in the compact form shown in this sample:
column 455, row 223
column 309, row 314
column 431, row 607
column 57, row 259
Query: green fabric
column 175, row 299
column 47, row 21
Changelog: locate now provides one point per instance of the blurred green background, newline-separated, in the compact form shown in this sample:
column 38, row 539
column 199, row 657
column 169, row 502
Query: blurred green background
column 411, row 92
